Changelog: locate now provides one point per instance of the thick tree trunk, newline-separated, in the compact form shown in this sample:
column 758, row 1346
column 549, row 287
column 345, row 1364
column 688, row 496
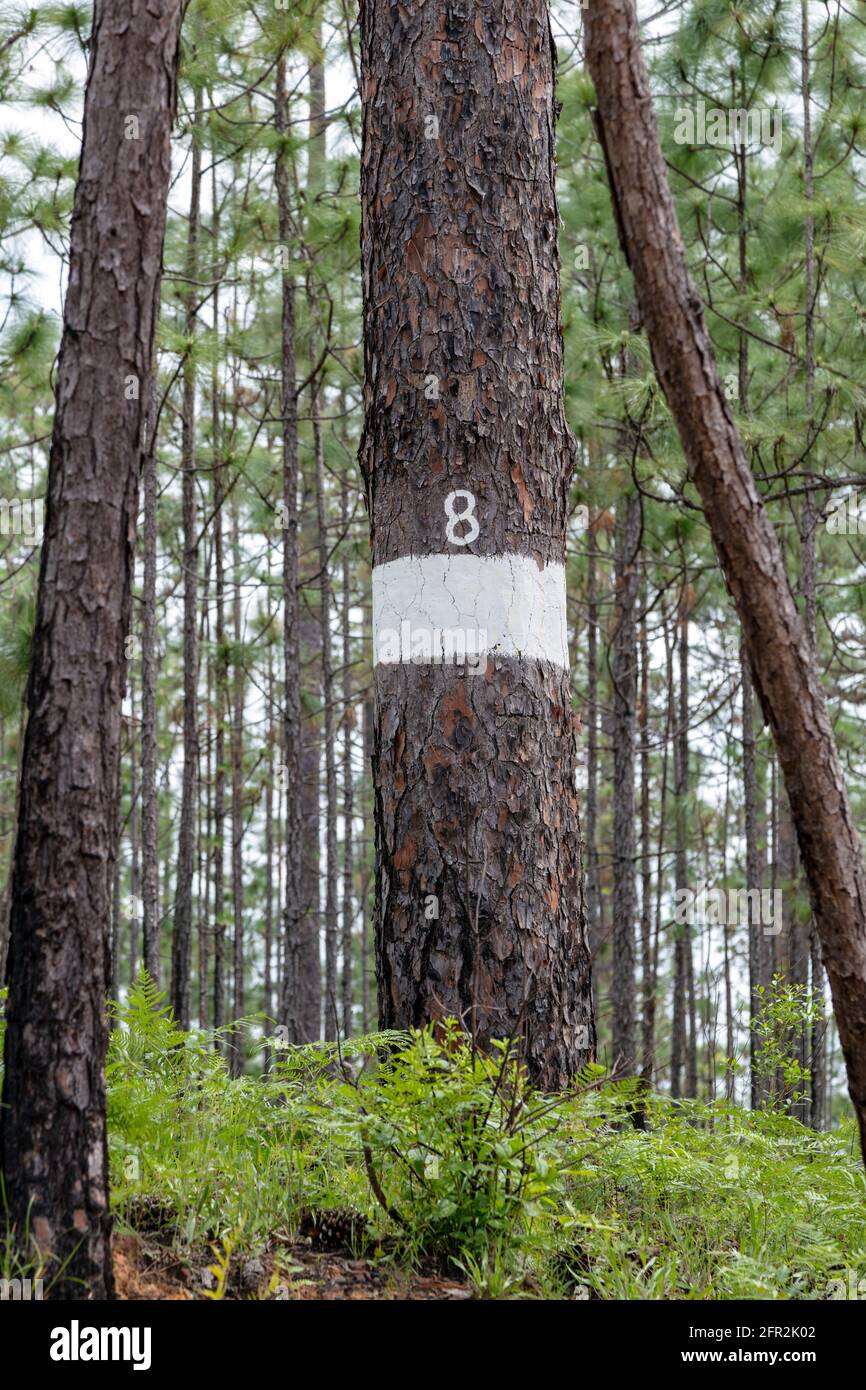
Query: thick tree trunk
column 780, row 652
column 624, row 678
column 467, row 460
column 54, row 1156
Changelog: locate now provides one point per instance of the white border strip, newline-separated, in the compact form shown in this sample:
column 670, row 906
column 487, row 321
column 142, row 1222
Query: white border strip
column 457, row 609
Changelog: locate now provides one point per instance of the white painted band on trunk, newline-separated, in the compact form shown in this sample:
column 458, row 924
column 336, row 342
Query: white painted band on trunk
column 457, row 609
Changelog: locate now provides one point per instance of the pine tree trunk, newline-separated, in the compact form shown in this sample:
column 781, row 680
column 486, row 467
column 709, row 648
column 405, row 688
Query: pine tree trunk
column 291, row 1011
column 135, row 843
column 309, row 961
column 467, row 460
column 237, row 761
column 149, row 749
column 682, row 794
column 267, row 990
column 778, row 646
column 593, row 886
column 624, row 674
column 348, row 779
column 332, row 940
column 54, row 1155
column 181, row 942
column 648, row 980
column 809, row 523
column 369, row 717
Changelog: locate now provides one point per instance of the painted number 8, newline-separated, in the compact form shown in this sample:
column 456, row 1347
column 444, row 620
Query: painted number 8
column 467, row 516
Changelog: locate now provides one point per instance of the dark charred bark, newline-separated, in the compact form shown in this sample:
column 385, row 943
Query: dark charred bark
column 54, row 1156
column 476, row 809
column 781, row 655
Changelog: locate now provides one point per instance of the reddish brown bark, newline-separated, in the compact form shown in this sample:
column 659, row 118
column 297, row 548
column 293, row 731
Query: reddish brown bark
column 475, row 775
column 54, row 1155
column 779, row 650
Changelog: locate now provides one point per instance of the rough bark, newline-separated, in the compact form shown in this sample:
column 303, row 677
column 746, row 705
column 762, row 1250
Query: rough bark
column 54, row 1156
column 778, row 646
column 476, row 809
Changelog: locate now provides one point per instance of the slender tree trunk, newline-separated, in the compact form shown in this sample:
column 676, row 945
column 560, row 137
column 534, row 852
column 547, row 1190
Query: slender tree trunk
column 115, row 887
column 467, row 460
column 328, row 696
column 149, row 665
column 778, row 646
column 310, row 965
column 134, row 841
column 624, row 676
column 267, row 993
column 237, row 760
column 593, row 886
column 753, row 865
column 291, row 993
column 726, row 933
column 220, row 687
column 679, row 1033
column 648, row 982
column 54, row 1156
column 369, row 716
column 808, row 565
column 205, row 916
column 181, row 946
column 682, row 794
column 348, row 779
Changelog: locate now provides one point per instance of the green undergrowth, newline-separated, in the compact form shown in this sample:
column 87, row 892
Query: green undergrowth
column 424, row 1154
column 446, row 1158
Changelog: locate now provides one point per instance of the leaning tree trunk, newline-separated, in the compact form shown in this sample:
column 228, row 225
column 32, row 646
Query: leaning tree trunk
column 781, row 655
column 467, row 460
column 55, row 1161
